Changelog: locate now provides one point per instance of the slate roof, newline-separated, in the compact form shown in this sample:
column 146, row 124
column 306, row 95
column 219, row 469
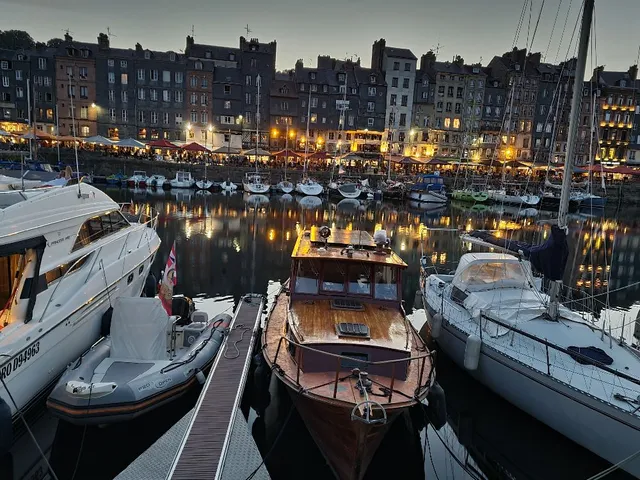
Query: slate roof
column 394, row 52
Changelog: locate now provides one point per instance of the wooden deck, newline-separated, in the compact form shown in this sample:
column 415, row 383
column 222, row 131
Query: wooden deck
column 315, row 322
column 204, row 448
column 322, row 384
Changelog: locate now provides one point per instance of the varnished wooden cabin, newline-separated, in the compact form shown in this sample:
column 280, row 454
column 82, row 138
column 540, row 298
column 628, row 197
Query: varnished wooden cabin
column 340, row 315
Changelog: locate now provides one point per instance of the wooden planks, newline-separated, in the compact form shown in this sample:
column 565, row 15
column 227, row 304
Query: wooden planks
column 316, row 322
column 201, row 455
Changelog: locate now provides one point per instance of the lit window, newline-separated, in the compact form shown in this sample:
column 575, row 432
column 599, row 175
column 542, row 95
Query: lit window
column 447, row 122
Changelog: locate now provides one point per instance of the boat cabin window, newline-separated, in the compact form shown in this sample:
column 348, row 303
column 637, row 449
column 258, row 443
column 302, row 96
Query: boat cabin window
column 360, row 279
column 333, row 277
column 386, row 286
column 484, row 274
column 10, row 272
column 307, row 277
column 59, row 272
column 97, row 227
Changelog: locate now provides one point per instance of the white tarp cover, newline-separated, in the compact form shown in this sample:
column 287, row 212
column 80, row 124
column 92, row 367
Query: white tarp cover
column 139, row 329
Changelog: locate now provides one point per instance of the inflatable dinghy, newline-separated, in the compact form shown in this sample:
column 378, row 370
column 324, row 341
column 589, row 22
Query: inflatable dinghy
column 149, row 359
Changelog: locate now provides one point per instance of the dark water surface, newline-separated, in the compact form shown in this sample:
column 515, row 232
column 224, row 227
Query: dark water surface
column 231, row 245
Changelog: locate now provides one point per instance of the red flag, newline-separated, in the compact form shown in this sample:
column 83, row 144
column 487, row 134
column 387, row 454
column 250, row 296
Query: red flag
column 169, row 280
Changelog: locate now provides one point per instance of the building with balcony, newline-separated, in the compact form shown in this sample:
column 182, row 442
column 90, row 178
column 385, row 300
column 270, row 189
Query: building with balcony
column 493, row 111
column 76, row 87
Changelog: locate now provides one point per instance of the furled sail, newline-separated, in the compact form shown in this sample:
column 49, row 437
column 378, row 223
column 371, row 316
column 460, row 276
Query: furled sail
column 550, row 258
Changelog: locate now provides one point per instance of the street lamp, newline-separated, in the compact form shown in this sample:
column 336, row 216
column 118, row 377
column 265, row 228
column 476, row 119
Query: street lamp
column 274, row 136
column 366, row 132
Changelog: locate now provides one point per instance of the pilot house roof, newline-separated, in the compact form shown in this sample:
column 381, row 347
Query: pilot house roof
column 311, row 244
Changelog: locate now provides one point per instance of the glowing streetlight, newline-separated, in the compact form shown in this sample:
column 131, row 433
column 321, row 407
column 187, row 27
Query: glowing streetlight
column 93, row 105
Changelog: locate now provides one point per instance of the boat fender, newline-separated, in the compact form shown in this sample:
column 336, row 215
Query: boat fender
column 105, row 325
column 200, row 377
column 6, row 428
column 417, row 300
column 150, row 286
column 472, row 352
column 437, row 407
column 224, row 320
column 436, row 327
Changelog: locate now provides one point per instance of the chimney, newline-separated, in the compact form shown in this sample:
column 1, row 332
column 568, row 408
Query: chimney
column 377, row 55
column 427, row 60
column 324, row 62
column 103, row 42
column 68, row 38
column 299, row 64
column 633, row 72
column 189, row 46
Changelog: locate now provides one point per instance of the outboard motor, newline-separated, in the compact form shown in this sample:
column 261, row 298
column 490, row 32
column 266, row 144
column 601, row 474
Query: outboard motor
column 183, row 307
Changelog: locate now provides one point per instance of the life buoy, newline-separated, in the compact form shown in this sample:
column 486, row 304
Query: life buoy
column 325, row 232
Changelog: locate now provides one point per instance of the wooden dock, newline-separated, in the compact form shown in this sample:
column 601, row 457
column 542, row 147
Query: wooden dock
column 204, row 448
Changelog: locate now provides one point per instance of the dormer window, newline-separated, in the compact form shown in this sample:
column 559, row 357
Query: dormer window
column 254, row 48
column 84, row 53
column 172, row 57
column 372, row 79
column 198, row 65
column 232, row 57
column 341, row 77
column 20, row 57
column 147, row 54
column 623, row 83
column 312, row 75
column 207, row 54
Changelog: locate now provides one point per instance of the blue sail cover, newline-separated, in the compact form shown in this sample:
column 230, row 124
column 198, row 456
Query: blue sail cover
column 550, row 258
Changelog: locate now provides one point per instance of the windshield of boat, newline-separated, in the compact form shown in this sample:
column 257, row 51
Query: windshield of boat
column 489, row 275
column 10, row 273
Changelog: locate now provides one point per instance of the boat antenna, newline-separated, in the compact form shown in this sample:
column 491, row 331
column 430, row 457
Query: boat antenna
column 73, row 129
column 257, row 119
column 583, row 48
column 306, row 143
column 30, row 140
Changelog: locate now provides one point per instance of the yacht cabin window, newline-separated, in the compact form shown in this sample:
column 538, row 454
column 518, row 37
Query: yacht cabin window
column 333, row 277
column 100, row 226
column 489, row 273
column 307, row 276
column 386, row 283
column 359, row 279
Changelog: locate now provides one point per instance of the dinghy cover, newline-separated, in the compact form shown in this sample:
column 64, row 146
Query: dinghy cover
column 139, row 329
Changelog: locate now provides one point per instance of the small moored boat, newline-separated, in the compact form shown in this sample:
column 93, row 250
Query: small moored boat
column 149, row 359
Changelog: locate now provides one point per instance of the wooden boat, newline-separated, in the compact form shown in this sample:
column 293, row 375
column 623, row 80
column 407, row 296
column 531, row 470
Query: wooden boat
column 338, row 338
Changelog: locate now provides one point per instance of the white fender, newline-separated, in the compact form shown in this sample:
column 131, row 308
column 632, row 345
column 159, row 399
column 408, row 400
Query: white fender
column 472, row 352
column 436, row 325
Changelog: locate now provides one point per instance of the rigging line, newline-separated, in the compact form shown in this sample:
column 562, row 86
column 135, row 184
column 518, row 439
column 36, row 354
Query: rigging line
column 26, row 424
column 535, row 30
column 553, row 28
column 529, row 24
column 566, row 19
column 520, row 21
column 612, row 468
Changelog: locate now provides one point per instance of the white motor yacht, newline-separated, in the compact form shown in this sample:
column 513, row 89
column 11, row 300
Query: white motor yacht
column 183, row 180
column 65, row 255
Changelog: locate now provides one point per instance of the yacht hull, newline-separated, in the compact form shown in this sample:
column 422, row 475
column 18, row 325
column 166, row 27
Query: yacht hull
column 259, row 188
column 309, row 188
column 347, row 445
column 33, row 368
column 520, row 200
column 427, row 197
column 204, row 185
column 285, row 186
column 590, row 423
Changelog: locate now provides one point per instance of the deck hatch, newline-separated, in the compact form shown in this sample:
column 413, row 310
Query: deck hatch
column 359, row 330
column 344, row 304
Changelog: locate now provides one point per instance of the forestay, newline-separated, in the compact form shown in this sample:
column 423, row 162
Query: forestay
column 139, row 329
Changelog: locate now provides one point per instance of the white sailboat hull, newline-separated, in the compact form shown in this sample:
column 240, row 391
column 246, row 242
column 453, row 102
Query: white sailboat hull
column 229, row 186
column 285, row 186
column 500, row 196
column 182, row 184
column 588, row 422
column 309, row 188
column 428, row 197
column 349, row 190
column 204, row 185
column 260, row 188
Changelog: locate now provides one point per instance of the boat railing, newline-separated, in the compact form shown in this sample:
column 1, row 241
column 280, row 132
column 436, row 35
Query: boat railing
column 419, row 361
column 549, row 345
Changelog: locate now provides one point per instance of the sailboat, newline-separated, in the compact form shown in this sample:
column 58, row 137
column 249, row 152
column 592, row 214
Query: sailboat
column 257, row 182
column 492, row 318
column 308, row 186
column 285, row 186
column 204, row 184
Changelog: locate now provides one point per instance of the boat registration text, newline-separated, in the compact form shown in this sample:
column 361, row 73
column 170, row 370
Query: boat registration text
column 19, row 360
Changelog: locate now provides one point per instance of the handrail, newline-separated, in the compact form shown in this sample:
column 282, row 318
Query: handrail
column 336, row 380
column 553, row 346
column 97, row 254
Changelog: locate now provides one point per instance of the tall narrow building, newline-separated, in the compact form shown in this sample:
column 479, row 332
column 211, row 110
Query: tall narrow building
column 399, row 68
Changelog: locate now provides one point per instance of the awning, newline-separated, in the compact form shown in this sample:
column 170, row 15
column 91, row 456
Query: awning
column 66, row 138
column 223, row 149
column 410, row 161
column 286, row 153
column 37, row 136
column 438, row 161
column 162, row 144
column 318, row 156
column 98, row 140
column 4, row 133
column 129, row 143
column 257, row 152
column 620, row 169
column 194, row 147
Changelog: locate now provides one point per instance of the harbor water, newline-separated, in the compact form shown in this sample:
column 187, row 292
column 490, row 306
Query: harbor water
column 228, row 245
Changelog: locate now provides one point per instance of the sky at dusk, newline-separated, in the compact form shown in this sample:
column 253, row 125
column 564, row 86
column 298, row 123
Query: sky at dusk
column 474, row 29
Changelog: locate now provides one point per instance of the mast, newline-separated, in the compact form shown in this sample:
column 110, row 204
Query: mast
column 583, row 48
column 73, row 124
column 30, row 147
column 286, row 151
column 58, row 134
column 257, row 119
column 342, row 120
